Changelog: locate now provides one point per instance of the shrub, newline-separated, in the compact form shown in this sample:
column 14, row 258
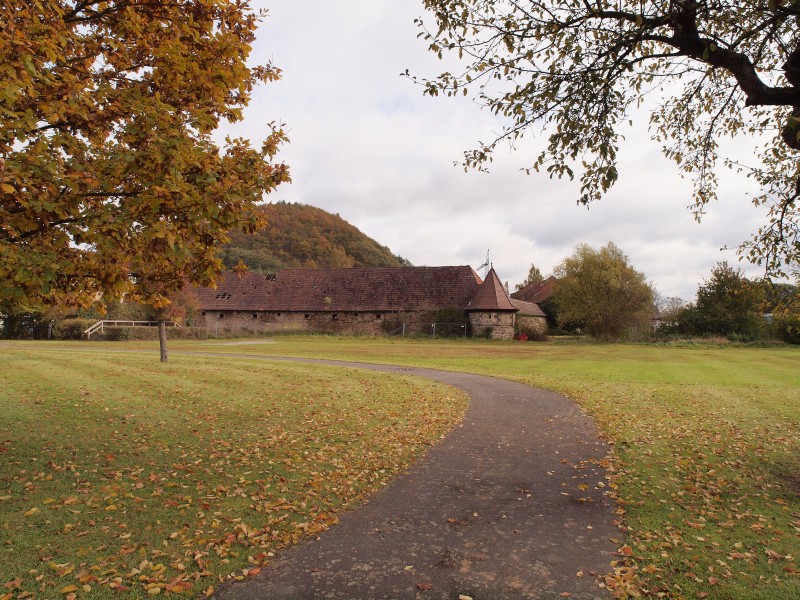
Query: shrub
column 390, row 324
column 486, row 333
column 122, row 334
column 450, row 322
column 72, row 329
column 531, row 332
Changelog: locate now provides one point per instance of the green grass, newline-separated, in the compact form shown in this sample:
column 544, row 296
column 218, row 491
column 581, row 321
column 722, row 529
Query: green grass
column 120, row 473
column 707, row 447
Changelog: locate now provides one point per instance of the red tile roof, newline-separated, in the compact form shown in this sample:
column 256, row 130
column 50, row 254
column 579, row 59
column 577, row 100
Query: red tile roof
column 248, row 291
column 357, row 289
column 491, row 295
column 536, row 292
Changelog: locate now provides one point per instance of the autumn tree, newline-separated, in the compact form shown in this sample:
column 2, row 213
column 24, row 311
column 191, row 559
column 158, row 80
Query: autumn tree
column 534, row 276
column 727, row 304
column 575, row 70
column 600, row 291
column 300, row 235
column 110, row 181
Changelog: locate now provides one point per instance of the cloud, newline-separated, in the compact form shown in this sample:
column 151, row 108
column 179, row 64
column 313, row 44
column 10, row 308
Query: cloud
column 365, row 143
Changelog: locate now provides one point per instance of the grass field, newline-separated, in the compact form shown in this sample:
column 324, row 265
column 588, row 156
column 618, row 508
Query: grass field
column 120, row 474
column 707, row 445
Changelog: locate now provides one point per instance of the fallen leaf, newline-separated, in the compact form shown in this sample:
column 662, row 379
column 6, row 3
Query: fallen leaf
column 424, row 586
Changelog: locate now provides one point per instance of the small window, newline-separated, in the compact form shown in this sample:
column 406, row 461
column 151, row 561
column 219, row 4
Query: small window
column 279, row 314
column 377, row 317
column 305, row 316
column 255, row 315
column 334, row 317
column 222, row 296
column 221, row 315
column 203, row 313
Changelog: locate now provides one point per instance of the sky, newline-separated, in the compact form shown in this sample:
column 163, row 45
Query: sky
column 366, row 144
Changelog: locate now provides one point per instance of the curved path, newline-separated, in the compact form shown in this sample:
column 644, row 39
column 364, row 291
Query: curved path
column 507, row 506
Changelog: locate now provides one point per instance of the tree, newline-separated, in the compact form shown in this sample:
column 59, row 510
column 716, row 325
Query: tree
column 534, row 276
column 110, row 182
column 576, row 70
column 601, row 291
column 668, row 308
column 727, row 304
column 782, row 303
column 299, row 235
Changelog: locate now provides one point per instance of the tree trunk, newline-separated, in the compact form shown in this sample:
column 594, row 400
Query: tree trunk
column 162, row 340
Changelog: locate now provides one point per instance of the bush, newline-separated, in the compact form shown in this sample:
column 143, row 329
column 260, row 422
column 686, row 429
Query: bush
column 530, row 332
column 72, row 329
column 486, row 333
column 786, row 328
column 450, row 322
column 533, row 335
column 122, row 334
column 390, row 324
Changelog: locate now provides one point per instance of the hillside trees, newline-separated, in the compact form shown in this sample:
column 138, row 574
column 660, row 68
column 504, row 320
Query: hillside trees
column 576, row 70
column 303, row 236
column 600, row 291
column 110, row 182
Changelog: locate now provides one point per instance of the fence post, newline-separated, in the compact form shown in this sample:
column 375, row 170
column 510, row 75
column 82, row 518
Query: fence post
column 434, row 329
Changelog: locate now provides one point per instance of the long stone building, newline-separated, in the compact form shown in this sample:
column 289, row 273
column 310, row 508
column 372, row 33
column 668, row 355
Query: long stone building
column 370, row 300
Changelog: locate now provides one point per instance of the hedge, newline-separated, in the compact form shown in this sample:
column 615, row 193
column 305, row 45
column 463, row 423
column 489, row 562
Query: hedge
column 117, row 334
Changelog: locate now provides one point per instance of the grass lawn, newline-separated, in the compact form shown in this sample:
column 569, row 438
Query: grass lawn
column 118, row 473
column 707, row 447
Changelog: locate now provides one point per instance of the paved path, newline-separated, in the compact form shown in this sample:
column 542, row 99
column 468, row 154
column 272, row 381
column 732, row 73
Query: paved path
column 506, row 507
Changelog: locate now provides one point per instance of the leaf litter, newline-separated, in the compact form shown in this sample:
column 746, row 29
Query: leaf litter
column 131, row 477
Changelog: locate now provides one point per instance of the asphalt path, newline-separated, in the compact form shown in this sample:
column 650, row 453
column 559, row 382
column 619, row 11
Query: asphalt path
column 510, row 505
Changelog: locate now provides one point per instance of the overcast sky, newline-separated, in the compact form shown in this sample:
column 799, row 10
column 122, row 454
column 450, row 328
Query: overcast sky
column 366, row 144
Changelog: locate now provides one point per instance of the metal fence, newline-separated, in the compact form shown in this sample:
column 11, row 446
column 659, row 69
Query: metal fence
column 433, row 330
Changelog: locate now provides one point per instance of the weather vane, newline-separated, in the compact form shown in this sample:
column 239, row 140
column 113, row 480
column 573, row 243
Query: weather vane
column 486, row 265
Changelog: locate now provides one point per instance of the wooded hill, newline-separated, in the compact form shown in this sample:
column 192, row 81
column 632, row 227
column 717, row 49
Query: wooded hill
column 303, row 236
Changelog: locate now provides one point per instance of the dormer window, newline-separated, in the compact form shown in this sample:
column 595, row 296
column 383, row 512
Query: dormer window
column 222, row 296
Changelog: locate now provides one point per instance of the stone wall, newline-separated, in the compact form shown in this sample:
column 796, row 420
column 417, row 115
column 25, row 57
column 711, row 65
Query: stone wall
column 531, row 323
column 501, row 324
column 228, row 323
column 225, row 323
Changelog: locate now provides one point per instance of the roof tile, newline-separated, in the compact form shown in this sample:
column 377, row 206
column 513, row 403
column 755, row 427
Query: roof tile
column 356, row 289
column 491, row 295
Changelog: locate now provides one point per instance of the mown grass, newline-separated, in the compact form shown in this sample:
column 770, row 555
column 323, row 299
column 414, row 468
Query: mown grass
column 121, row 474
column 707, row 447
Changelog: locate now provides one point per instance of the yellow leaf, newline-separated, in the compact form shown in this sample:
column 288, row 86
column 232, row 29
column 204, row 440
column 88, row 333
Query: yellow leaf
column 69, row 589
column 32, row 511
column 7, row 189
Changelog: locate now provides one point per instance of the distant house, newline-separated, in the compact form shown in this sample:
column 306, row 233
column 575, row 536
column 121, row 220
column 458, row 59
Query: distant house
column 536, row 292
column 357, row 300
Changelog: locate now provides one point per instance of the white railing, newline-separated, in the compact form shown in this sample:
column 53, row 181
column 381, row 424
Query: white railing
column 101, row 324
